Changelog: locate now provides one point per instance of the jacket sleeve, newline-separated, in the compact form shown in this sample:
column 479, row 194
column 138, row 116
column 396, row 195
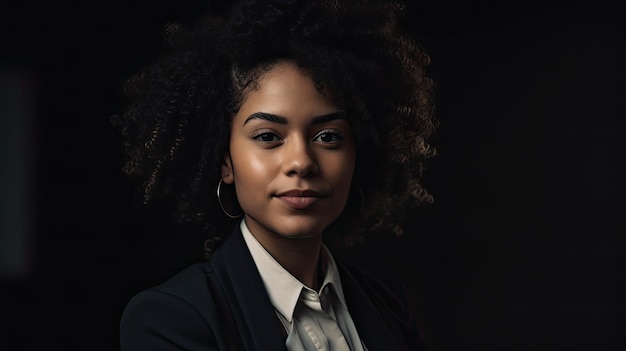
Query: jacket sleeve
column 157, row 320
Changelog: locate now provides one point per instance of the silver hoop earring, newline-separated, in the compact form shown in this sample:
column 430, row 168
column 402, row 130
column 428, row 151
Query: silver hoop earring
column 219, row 200
column 361, row 195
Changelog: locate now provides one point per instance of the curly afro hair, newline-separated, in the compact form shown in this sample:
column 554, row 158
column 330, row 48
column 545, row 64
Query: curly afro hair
column 175, row 128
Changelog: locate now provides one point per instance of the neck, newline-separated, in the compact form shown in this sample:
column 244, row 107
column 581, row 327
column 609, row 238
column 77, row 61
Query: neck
column 299, row 256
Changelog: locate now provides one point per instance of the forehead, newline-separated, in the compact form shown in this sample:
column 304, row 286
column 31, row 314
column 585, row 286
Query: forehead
column 287, row 90
column 283, row 77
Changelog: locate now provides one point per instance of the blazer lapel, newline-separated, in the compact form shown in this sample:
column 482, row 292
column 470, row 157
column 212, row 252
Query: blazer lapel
column 369, row 321
column 254, row 315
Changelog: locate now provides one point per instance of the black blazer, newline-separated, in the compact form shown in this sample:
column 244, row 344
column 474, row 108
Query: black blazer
column 222, row 304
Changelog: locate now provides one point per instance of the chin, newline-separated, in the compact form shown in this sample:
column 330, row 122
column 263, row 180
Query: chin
column 296, row 236
column 300, row 228
column 300, row 232
column 305, row 225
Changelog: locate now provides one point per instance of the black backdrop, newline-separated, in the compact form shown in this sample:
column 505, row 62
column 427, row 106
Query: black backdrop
column 522, row 250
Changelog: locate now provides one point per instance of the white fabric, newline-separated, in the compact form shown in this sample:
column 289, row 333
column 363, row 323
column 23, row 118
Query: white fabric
column 314, row 321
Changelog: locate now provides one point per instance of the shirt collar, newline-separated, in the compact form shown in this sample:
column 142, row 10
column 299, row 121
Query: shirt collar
column 283, row 288
column 331, row 275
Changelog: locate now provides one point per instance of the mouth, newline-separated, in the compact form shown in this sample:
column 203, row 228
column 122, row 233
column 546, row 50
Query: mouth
column 299, row 199
column 300, row 193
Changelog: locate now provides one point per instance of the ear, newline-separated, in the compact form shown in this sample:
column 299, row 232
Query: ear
column 228, row 176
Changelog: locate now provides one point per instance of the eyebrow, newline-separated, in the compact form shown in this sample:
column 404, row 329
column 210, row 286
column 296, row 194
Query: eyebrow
column 282, row 120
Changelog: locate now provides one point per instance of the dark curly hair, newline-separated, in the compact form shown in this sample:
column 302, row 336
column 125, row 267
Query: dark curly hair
column 175, row 129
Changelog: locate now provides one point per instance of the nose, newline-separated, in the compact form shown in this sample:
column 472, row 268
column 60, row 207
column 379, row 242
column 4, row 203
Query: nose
column 299, row 159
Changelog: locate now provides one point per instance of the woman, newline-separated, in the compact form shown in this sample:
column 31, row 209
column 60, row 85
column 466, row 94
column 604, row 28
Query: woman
column 280, row 126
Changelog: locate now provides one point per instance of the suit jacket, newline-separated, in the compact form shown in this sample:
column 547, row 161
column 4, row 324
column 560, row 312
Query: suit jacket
column 222, row 304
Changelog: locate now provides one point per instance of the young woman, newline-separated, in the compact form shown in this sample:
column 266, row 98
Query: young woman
column 285, row 128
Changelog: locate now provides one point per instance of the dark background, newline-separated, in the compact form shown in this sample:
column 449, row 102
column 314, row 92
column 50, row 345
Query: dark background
column 522, row 250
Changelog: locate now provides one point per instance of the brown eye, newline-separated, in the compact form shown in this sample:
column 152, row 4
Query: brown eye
column 329, row 136
column 326, row 137
column 266, row 137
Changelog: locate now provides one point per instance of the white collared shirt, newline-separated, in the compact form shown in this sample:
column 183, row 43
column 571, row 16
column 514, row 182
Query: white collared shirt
column 302, row 310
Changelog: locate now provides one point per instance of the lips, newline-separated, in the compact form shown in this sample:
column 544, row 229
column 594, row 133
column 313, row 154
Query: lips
column 299, row 199
column 304, row 192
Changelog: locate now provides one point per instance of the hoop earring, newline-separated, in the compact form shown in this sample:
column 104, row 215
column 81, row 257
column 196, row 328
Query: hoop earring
column 219, row 200
column 361, row 195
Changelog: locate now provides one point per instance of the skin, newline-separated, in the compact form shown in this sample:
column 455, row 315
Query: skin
column 291, row 159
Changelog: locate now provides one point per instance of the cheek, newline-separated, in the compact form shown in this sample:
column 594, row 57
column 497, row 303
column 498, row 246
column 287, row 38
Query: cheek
column 253, row 172
column 259, row 164
column 348, row 163
column 342, row 169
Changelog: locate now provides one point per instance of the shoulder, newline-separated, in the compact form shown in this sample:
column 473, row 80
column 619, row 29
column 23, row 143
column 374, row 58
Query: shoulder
column 177, row 313
column 382, row 279
column 190, row 284
column 389, row 295
column 382, row 287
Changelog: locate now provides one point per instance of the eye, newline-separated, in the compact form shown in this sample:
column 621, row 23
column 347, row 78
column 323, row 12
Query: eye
column 329, row 136
column 266, row 137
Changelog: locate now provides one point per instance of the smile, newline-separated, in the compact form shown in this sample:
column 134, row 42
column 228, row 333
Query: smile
column 299, row 199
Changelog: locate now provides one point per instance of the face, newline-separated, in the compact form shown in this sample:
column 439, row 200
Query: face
column 291, row 158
